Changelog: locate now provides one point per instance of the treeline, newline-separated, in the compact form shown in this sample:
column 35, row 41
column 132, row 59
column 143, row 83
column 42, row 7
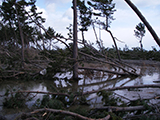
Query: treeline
column 135, row 53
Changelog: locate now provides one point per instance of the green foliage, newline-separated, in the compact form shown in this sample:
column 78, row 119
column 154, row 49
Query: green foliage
column 51, row 103
column 80, row 109
column 85, row 15
column 108, row 98
column 60, row 62
column 103, row 8
column 10, row 17
column 15, row 101
column 140, row 30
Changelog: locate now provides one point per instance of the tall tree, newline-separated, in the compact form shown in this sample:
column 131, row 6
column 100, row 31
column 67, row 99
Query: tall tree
column 106, row 9
column 140, row 33
column 75, row 47
column 85, row 15
column 13, row 12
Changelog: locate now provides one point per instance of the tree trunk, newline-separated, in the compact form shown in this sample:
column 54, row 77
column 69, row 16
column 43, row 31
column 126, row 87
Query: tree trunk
column 22, row 38
column 83, row 39
column 75, row 49
column 149, row 27
column 119, row 58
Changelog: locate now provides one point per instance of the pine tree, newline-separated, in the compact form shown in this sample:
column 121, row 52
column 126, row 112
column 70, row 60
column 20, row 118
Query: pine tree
column 140, row 33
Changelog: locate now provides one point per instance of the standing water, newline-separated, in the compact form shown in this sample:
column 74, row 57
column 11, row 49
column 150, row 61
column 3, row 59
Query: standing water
column 90, row 81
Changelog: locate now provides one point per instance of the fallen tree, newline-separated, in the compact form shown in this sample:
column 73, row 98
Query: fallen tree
column 62, row 112
column 124, row 87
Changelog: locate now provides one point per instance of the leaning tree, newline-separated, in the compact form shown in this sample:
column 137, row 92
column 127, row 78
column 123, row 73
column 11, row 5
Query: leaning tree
column 104, row 9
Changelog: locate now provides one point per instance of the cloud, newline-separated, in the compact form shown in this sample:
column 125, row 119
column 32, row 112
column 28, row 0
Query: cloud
column 59, row 15
column 57, row 1
column 51, row 8
column 44, row 12
column 121, row 4
column 68, row 13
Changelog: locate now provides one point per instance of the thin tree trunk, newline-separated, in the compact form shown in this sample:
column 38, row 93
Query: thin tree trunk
column 98, row 42
column 115, row 44
column 75, row 47
column 22, row 38
column 83, row 40
column 149, row 27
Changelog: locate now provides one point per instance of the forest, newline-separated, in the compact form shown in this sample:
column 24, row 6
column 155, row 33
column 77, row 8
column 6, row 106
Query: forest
column 30, row 52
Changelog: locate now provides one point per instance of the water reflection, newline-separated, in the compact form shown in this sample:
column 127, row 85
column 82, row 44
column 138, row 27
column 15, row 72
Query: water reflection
column 88, row 82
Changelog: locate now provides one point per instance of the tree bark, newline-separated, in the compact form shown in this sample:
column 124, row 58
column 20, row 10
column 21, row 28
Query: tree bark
column 149, row 27
column 75, row 47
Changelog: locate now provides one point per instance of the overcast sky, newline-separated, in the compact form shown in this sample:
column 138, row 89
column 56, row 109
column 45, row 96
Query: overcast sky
column 58, row 14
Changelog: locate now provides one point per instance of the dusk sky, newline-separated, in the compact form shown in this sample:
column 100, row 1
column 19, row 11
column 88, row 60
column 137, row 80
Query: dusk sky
column 58, row 14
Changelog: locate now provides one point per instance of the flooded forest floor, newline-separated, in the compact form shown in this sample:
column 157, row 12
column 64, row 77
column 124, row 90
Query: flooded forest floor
column 106, row 90
column 96, row 95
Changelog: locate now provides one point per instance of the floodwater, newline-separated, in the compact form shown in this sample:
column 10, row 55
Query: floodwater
column 88, row 82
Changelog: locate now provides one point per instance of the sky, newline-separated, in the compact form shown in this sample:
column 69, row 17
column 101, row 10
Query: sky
column 58, row 14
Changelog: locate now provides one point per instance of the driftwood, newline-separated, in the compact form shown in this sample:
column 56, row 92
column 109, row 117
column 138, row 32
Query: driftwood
column 65, row 113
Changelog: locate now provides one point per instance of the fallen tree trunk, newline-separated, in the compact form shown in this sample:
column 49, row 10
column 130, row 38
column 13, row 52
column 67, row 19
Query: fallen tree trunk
column 134, row 117
column 104, row 70
column 121, row 109
column 38, row 92
column 110, row 63
column 65, row 113
column 121, row 88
